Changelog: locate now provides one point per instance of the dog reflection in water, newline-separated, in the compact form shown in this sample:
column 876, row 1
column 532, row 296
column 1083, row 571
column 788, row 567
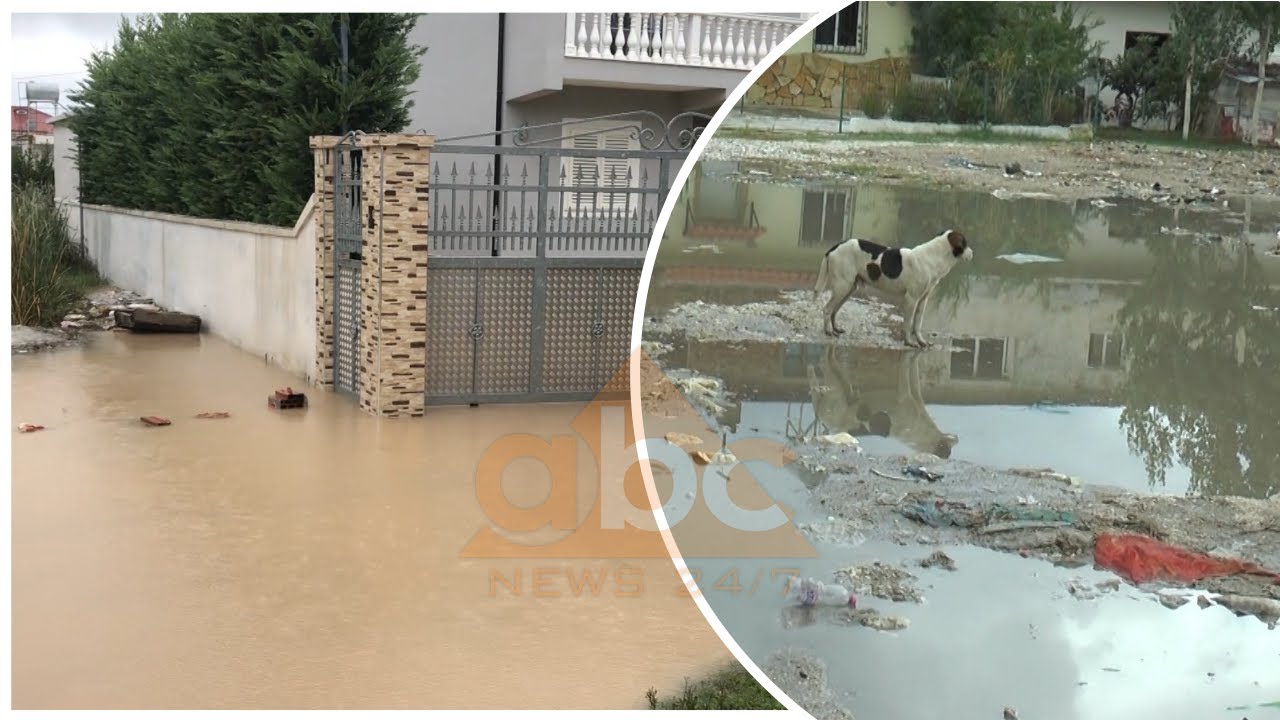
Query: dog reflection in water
column 895, row 409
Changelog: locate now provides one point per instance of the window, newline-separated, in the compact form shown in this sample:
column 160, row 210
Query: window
column 823, row 218
column 980, row 358
column 844, row 32
column 1105, row 351
column 1131, row 39
column 590, row 170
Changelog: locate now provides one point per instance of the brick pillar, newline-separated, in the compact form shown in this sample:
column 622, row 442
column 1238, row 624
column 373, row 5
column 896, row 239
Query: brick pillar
column 322, row 151
column 393, row 279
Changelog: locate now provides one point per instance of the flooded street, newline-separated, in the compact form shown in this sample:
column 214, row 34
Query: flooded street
column 1139, row 353
column 298, row 559
column 1129, row 346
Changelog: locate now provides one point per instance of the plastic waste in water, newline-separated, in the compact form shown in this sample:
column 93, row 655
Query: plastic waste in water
column 810, row 592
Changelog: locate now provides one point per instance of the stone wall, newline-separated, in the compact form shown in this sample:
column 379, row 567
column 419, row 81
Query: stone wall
column 810, row 80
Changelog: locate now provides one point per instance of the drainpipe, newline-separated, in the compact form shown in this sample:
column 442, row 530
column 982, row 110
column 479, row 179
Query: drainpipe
column 499, row 102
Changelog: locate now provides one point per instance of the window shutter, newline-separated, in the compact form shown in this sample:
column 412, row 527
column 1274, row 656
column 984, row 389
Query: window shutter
column 588, row 171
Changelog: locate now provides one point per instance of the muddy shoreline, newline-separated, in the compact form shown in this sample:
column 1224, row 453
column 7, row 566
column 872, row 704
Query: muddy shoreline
column 1064, row 170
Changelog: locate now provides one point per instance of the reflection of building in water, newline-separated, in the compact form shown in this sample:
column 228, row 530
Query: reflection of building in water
column 766, row 218
column 1047, row 340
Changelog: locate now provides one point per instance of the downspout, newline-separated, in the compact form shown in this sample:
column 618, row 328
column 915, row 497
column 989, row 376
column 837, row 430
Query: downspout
column 499, row 102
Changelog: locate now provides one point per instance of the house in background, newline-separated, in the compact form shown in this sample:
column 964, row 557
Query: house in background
column 1121, row 26
column 485, row 76
column 864, row 48
column 29, row 126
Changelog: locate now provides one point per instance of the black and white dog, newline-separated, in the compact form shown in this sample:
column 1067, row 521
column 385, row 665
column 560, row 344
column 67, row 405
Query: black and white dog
column 906, row 275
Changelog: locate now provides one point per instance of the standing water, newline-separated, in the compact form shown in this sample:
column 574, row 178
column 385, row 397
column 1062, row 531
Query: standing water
column 299, row 559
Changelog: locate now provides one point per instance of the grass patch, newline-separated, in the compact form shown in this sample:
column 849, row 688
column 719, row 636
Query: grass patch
column 1170, row 139
column 964, row 136
column 49, row 273
column 732, row 688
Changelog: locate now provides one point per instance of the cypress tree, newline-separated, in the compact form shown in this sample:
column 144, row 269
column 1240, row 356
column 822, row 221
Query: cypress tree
column 208, row 114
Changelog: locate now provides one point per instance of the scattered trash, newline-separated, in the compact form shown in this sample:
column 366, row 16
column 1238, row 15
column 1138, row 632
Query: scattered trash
column 1079, row 589
column 1013, row 169
column 882, row 581
column 939, row 559
column 1265, row 609
column 917, row 471
column 941, row 514
column 870, row 617
column 886, row 475
column 1003, row 194
column 811, row 592
column 1026, row 258
column 964, row 163
column 711, row 248
column 683, row 441
column 843, row 438
column 1005, row 513
column 1100, row 203
column 1027, row 500
column 724, row 457
column 1045, row 473
column 155, row 420
column 215, row 415
column 287, row 399
column 1140, row 559
column 29, row 427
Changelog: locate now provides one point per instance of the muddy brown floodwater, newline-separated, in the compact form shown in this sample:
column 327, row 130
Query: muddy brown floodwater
column 305, row 559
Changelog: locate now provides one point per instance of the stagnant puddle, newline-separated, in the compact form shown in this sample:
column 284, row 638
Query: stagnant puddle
column 1142, row 356
column 1132, row 345
column 301, row 559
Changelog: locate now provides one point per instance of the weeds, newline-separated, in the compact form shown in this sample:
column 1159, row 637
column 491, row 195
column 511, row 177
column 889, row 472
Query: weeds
column 730, row 689
column 49, row 274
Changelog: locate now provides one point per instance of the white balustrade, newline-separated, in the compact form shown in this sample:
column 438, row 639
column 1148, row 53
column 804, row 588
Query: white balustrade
column 718, row 40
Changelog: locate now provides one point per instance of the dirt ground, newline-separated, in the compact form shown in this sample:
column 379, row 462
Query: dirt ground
column 1067, row 170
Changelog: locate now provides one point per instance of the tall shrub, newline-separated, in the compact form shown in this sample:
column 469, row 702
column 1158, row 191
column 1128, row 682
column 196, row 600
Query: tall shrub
column 208, row 114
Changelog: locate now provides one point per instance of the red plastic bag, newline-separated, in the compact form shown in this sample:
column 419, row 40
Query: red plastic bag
column 1140, row 559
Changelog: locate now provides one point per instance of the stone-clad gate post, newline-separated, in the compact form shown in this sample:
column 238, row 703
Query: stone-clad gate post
column 393, row 314
column 394, row 194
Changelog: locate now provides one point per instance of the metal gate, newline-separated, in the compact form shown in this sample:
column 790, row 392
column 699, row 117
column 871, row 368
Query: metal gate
column 347, row 230
column 535, row 253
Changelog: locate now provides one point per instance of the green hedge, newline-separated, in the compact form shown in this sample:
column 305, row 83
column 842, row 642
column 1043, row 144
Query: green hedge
column 209, row 114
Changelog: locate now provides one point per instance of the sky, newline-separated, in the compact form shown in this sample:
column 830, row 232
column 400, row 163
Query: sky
column 53, row 47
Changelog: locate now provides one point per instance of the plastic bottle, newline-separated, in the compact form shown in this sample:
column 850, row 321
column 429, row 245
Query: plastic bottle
column 810, row 592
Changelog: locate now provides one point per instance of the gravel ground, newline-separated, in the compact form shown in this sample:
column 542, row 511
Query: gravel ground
column 795, row 318
column 1067, row 170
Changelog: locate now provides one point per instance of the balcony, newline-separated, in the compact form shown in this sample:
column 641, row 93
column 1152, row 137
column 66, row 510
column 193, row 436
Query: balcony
column 721, row 41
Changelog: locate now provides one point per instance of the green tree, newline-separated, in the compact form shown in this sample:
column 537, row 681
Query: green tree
column 1131, row 75
column 1262, row 18
column 1033, row 55
column 1205, row 36
column 209, row 114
